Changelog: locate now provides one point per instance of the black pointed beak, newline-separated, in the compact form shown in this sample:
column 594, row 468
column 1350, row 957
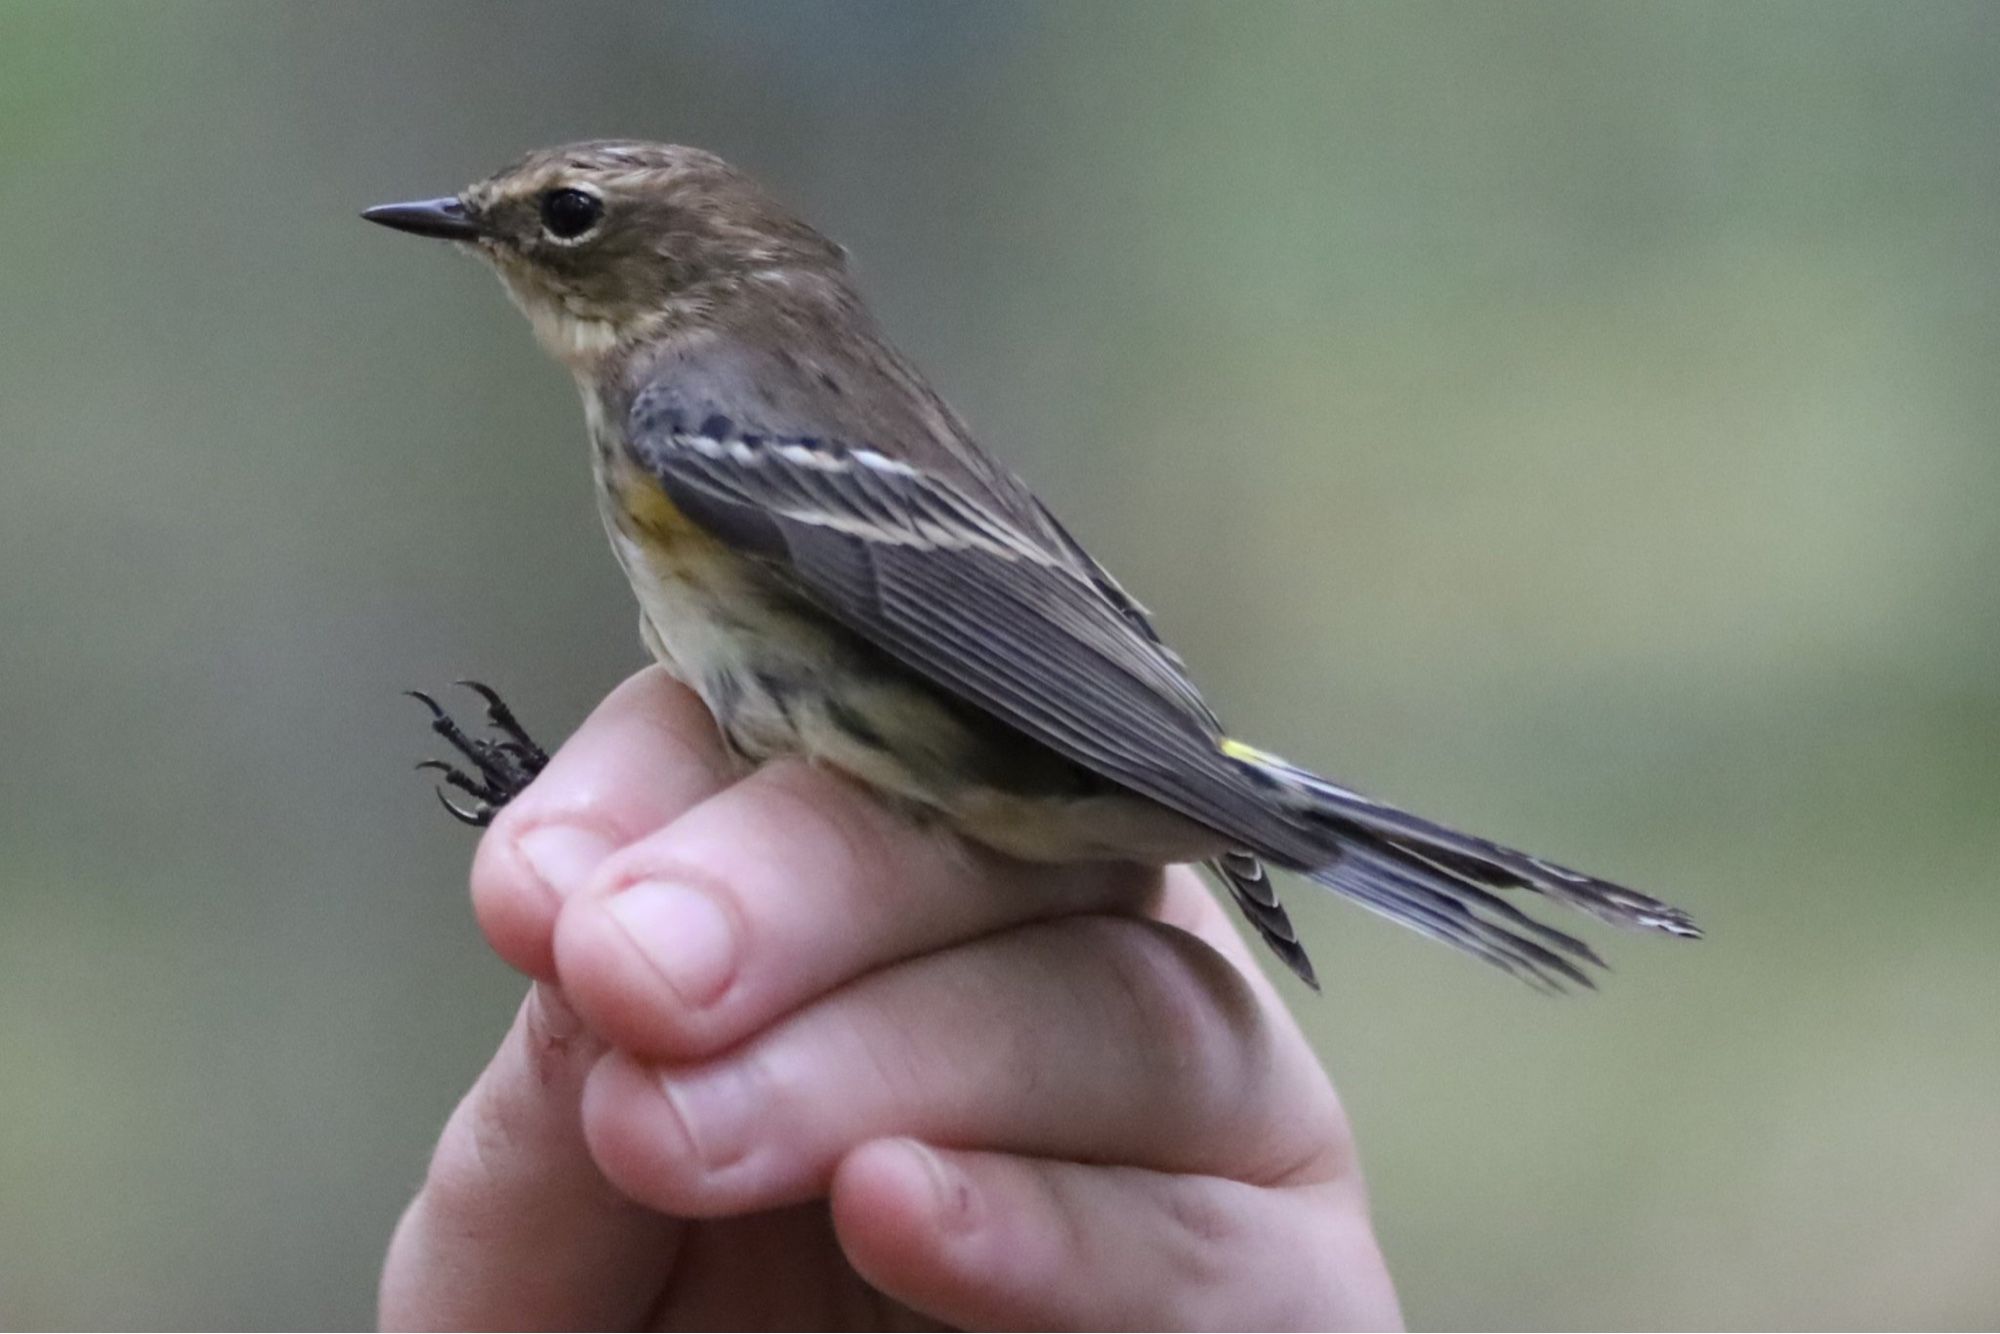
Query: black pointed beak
column 444, row 218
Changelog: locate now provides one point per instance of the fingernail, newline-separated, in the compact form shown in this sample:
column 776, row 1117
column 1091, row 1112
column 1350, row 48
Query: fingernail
column 951, row 1191
column 684, row 934
column 717, row 1108
column 563, row 856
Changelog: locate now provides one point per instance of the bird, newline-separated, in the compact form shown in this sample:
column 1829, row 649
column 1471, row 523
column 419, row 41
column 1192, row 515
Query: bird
column 822, row 552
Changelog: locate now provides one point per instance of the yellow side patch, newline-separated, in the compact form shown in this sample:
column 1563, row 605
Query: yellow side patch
column 642, row 504
column 672, row 544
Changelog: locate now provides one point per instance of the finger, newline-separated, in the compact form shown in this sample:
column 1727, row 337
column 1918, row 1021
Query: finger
column 1102, row 1039
column 776, row 891
column 514, row 1226
column 994, row 1241
column 1187, row 902
column 646, row 754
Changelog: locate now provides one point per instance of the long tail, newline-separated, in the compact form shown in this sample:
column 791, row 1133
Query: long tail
column 1449, row 885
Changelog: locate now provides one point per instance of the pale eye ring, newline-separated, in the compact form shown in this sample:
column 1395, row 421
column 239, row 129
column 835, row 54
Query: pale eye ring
column 569, row 213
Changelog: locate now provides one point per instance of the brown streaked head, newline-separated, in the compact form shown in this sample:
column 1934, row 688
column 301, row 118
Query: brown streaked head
column 605, row 241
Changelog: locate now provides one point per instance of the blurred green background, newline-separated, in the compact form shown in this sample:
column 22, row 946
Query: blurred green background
column 1576, row 421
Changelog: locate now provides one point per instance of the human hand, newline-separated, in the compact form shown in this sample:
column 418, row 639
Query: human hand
column 790, row 1061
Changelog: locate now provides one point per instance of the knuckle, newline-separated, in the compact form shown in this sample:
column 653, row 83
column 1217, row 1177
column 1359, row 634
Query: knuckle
column 1315, row 1143
column 1203, row 1236
column 1194, row 1029
column 1197, row 1216
column 1189, row 1002
column 1233, row 1266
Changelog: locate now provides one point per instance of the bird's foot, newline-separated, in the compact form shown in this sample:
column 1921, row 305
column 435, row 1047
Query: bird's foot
column 494, row 769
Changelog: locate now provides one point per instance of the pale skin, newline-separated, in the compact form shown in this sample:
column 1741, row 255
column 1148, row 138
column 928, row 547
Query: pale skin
column 790, row 1060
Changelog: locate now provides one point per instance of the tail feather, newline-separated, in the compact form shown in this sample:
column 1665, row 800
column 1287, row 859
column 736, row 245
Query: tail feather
column 1466, row 881
column 1251, row 888
column 1443, row 883
column 1389, row 886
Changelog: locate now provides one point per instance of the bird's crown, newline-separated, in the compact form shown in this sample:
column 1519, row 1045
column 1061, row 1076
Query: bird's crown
column 610, row 239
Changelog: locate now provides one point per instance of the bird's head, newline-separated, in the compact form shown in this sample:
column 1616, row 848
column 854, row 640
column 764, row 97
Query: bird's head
column 608, row 242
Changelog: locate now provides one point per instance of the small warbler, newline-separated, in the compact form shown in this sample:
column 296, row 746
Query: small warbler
column 823, row 554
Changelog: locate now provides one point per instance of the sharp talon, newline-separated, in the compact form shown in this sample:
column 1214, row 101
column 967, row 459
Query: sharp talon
column 459, row 813
column 492, row 770
column 498, row 714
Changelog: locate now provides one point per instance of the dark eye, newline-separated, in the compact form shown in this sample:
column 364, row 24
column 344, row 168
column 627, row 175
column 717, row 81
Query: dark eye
column 568, row 214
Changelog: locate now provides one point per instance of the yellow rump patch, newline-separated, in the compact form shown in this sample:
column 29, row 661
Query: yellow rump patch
column 1248, row 754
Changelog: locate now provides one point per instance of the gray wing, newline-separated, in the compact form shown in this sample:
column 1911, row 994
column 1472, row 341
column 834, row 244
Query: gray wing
column 1241, row 873
column 912, row 563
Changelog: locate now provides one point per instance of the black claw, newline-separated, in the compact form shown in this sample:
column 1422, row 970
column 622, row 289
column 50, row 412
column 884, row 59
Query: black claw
column 478, row 818
column 484, row 691
column 502, row 720
column 497, row 768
